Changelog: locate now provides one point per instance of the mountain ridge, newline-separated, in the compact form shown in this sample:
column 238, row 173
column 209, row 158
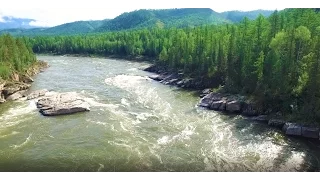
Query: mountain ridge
column 143, row 18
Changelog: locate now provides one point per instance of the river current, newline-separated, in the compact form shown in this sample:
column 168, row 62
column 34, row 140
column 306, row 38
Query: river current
column 137, row 124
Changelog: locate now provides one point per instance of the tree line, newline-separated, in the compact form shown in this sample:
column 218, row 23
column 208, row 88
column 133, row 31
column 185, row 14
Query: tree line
column 274, row 59
column 15, row 55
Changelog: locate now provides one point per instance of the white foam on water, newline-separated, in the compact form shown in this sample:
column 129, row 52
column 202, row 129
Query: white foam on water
column 12, row 133
column 101, row 166
column 132, row 69
column 183, row 135
column 258, row 153
column 22, row 144
column 122, row 126
column 93, row 102
column 97, row 122
column 125, row 102
column 144, row 95
column 12, row 116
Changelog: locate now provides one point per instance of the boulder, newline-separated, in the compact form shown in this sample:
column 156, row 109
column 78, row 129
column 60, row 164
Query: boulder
column 216, row 105
column 16, row 95
column 207, row 100
column 62, row 103
column 223, row 106
column 276, row 123
column 292, row 129
column 173, row 81
column 233, row 106
column 205, row 92
column 37, row 94
column 10, row 90
column 159, row 77
column 261, row 118
column 310, row 132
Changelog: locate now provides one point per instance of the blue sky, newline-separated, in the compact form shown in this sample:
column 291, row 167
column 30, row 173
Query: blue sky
column 47, row 17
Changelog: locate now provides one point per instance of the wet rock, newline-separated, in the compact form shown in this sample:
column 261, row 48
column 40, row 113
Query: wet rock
column 292, row 129
column 37, row 94
column 233, row 106
column 261, row 118
column 62, row 103
column 10, row 90
column 173, row 81
column 205, row 92
column 216, row 104
column 207, row 100
column 276, row 123
column 157, row 77
column 223, row 106
column 152, row 68
column 310, row 132
column 16, row 96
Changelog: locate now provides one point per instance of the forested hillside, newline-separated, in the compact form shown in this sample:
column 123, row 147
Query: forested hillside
column 163, row 19
column 15, row 56
column 275, row 59
column 140, row 19
column 237, row 16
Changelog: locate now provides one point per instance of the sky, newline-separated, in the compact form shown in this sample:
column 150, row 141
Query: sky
column 48, row 17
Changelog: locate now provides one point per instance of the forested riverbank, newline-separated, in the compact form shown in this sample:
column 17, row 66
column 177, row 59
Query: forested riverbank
column 18, row 64
column 274, row 60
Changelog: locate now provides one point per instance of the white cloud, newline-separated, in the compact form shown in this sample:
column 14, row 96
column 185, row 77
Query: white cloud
column 56, row 16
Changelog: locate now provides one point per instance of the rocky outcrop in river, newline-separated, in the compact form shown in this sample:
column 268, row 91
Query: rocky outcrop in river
column 53, row 104
column 177, row 78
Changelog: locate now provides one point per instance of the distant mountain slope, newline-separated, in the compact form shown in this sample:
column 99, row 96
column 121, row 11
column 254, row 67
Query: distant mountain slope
column 187, row 17
column 164, row 18
column 77, row 27
column 237, row 16
column 7, row 22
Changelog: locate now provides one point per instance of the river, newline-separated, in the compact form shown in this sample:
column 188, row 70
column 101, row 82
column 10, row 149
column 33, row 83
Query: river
column 137, row 124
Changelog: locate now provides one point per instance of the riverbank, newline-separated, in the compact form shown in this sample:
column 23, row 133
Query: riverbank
column 234, row 103
column 17, row 85
column 126, row 57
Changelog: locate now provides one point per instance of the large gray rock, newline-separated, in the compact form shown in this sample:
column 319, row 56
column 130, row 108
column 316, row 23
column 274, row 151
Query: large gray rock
column 37, row 94
column 276, row 123
column 207, row 100
column 205, row 92
column 310, row 132
column 261, row 118
column 223, row 106
column 157, row 77
column 7, row 91
column 292, row 129
column 233, row 106
column 216, row 104
column 62, row 103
